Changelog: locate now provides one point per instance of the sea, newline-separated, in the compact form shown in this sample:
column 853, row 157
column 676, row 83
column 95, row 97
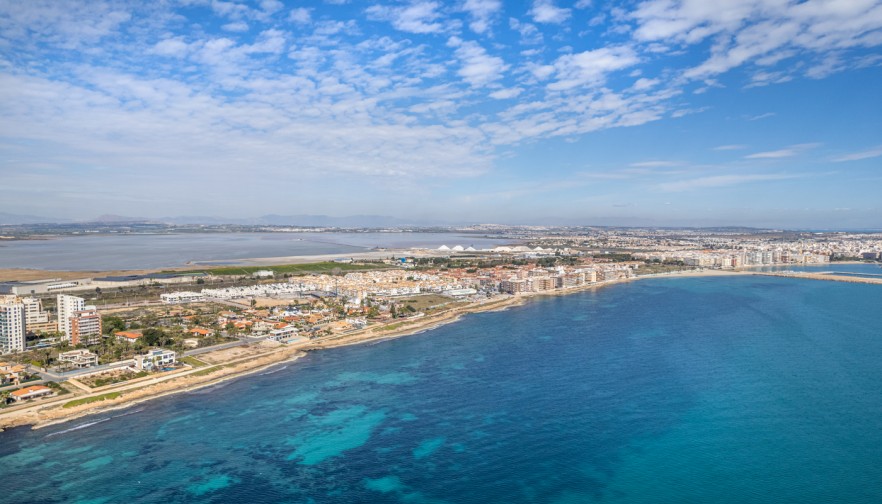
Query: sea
column 150, row 251
column 664, row 390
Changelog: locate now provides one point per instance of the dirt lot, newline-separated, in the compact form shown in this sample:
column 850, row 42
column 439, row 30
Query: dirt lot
column 228, row 354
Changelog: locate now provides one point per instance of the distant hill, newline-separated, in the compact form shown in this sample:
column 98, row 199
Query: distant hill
column 297, row 220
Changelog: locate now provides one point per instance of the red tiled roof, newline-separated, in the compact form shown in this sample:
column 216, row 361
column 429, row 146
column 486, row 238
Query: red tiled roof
column 28, row 390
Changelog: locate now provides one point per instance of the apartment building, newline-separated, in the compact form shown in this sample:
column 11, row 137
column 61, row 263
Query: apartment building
column 85, row 327
column 66, row 306
column 12, row 327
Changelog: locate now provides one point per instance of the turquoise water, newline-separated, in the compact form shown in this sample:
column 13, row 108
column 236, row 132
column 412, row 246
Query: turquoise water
column 723, row 390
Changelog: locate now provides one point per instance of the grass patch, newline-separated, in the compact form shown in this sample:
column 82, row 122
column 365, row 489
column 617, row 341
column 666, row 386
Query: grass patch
column 87, row 400
column 397, row 325
column 207, row 371
column 192, row 361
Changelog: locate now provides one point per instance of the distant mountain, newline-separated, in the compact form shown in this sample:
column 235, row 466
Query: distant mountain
column 111, row 218
column 298, row 220
column 16, row 219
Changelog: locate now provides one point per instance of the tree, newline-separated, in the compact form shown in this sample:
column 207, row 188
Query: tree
column 154, row 337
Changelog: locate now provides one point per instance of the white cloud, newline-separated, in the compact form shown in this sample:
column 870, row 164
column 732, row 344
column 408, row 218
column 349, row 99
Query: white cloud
column 655, row 164
column 237, row 26
column 477, row 67
column 171, row 47
column 482, row 13
column 764, row 32
column 505, row 94
column 300, row 15
column 530, row 35
column 69, row 25
column 643, row 84
column 591, row 67
column 721, row 181
column 416, row 17
column 271, row 6
column 791, row 151
column 857, row 156
column 729, row 147
column 545, row 11
column 758, row 117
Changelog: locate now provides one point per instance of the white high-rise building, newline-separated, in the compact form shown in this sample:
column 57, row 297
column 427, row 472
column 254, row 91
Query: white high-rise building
column 12, row 327
column 66, row 306
column 34, row 313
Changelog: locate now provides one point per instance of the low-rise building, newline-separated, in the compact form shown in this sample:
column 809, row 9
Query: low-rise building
column 10, row 372
column 32, row 392
column 131, row 337
column 79, row 358
column 182, row 297
column 155, row 359
column 284, row 334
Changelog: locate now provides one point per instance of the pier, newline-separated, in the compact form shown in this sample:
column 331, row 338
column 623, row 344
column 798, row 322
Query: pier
column 824, row 276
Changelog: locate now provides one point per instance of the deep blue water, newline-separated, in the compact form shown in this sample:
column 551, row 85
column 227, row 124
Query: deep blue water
column 107, row 252
column 718, row 390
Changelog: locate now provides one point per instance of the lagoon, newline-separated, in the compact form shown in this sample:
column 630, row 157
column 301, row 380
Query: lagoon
column 150, row 251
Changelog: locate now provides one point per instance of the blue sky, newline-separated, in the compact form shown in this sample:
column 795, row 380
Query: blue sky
column 660, row 112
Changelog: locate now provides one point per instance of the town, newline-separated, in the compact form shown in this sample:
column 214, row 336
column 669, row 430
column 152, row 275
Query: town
column 68, row 339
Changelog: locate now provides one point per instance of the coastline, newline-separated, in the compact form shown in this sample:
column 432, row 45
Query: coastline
column 42, row 414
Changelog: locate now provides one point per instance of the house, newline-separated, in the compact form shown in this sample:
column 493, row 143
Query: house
column 31, row 392
column 10, row 373
column 283, row 334
column 131, row 337
column 199, row 331
column 79, row 358
column 155, row 359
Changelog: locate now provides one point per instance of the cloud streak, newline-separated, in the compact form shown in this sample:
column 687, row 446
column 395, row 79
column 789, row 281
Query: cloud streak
column 858, row 156
column 716, row 181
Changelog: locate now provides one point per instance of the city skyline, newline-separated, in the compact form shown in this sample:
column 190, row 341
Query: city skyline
column 755, row 113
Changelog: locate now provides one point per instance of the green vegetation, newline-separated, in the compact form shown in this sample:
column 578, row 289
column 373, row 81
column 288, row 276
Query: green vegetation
column 653, row 268
column 614, row 257
column 112, row 324
column 426, row 302
column 397, row 325
column 192, row 361
column 87, row 400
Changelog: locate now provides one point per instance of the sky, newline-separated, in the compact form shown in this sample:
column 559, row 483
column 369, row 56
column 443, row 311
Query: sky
column 763, row 113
